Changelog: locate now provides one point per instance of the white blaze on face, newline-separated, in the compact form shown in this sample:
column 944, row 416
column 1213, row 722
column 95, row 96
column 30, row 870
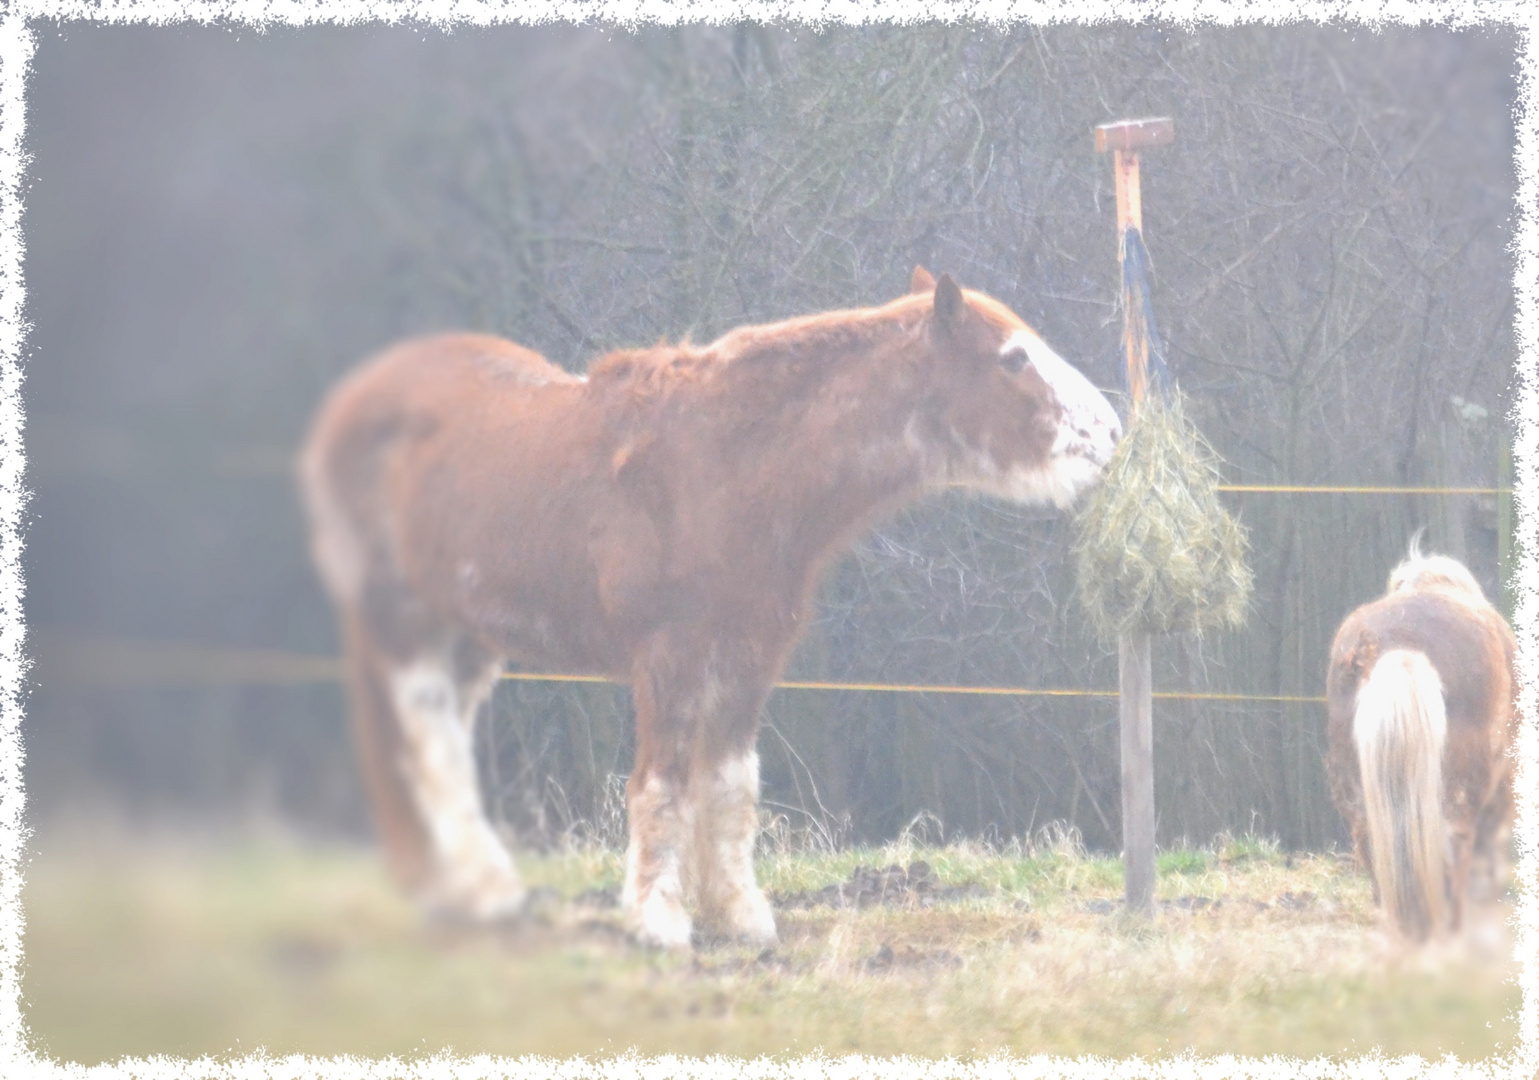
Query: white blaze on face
column 1088, row 428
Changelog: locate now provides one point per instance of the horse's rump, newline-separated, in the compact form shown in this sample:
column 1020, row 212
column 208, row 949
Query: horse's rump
column 1420, row 697
column 464, row 468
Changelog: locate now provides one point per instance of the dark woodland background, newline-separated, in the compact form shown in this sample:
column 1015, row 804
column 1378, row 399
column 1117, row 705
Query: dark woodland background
column 220, row 222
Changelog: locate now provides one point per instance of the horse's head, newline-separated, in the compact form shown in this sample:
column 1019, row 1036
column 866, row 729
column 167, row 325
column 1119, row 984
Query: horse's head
column 1014, row 418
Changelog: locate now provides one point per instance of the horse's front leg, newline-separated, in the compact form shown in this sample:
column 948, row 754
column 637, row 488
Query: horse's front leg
column 726, row 800
column 666, row 690
column 656, row 860
column 693, row 794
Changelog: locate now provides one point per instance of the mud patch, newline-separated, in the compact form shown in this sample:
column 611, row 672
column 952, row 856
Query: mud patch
column 303, row 956
column 602, row 899
column 1180, row 903
column 766, row 960
column 897, row 886
column 887, row 958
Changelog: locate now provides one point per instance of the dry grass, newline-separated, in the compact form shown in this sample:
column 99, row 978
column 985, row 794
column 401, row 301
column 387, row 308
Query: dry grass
column 138, row 948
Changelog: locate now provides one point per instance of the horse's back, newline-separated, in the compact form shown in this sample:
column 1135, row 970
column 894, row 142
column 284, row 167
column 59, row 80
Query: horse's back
column 428, row 375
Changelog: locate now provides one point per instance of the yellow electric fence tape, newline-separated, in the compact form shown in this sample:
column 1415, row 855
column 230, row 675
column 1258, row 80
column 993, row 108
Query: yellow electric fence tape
column 119, row 664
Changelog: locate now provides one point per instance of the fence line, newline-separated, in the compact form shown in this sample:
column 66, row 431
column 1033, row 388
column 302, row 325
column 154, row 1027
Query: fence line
column 937, row 688
column 118, row 663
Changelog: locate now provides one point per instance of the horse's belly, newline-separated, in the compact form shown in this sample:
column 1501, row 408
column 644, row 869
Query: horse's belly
column 541, row 639
column 562, row 629
column 518, row 573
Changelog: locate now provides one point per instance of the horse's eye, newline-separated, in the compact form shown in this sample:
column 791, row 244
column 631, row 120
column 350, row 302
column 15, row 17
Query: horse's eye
column 1014, row 360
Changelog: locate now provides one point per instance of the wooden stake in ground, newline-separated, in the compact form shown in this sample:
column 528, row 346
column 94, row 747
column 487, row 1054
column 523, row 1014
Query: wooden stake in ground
column 1135, row 705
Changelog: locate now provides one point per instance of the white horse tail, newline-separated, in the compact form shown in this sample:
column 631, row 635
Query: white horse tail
column 1399, row 727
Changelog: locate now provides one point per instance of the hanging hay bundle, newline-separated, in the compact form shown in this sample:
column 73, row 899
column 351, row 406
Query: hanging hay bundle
column 1154, row 549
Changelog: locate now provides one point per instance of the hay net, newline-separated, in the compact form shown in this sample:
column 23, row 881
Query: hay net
column 1154, row 549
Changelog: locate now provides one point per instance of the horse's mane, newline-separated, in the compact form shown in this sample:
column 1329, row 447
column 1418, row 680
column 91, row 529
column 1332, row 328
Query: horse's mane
column 653, row 372
column 1421, row 572
column 664, row 369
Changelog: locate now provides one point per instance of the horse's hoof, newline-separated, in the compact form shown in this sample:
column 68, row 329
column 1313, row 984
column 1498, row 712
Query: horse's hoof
column 761, row 937
column 506, row 901
column 758, row 930
column 665, row 941
column 749, row 920
column 661, row 925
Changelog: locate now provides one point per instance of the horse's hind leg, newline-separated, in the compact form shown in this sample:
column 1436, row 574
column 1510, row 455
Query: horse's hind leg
column 437, row 703
column 378, row 741
column 414, row 722
column 1493, row 835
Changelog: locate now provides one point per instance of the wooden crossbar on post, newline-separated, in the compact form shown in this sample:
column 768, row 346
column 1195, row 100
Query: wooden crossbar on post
column 1135, row 706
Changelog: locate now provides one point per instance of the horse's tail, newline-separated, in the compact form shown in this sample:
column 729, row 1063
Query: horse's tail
column 1399, row 727
column 377, row 738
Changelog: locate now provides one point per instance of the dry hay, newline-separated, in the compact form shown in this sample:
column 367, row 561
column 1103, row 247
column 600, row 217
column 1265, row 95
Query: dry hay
column 1154, row 549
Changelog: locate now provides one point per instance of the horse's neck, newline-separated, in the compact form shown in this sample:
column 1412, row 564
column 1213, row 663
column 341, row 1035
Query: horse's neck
column 850, row 439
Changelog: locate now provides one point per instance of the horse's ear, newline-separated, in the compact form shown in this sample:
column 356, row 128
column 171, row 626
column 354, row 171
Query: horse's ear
column 922, row 281
column 948, row 301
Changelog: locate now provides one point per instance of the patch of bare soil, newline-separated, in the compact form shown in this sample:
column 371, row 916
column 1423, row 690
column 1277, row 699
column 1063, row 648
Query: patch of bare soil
column 602, row 899
column 547, row 922
column 766, row 960
column 1287, row 901
column 914, row 885
column 886, row 958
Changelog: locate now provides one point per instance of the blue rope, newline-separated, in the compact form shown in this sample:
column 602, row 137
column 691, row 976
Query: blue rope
column 1136, row 294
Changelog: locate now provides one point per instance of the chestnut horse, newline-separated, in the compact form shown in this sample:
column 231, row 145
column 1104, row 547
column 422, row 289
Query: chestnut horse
column 1421, row 696
column 662, row 521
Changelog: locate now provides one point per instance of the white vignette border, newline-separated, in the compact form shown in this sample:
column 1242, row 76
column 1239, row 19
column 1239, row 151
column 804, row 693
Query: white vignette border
column 16, row 49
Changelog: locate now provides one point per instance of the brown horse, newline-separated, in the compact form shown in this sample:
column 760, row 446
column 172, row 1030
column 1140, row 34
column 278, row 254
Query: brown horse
column 1421, row 696
column 662, row 521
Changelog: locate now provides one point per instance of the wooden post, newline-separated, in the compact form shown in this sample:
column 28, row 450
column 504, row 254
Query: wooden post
column 1135, row 716
column 1135, row 706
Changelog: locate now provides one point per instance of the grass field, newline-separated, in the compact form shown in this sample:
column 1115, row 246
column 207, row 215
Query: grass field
column 178, row 947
